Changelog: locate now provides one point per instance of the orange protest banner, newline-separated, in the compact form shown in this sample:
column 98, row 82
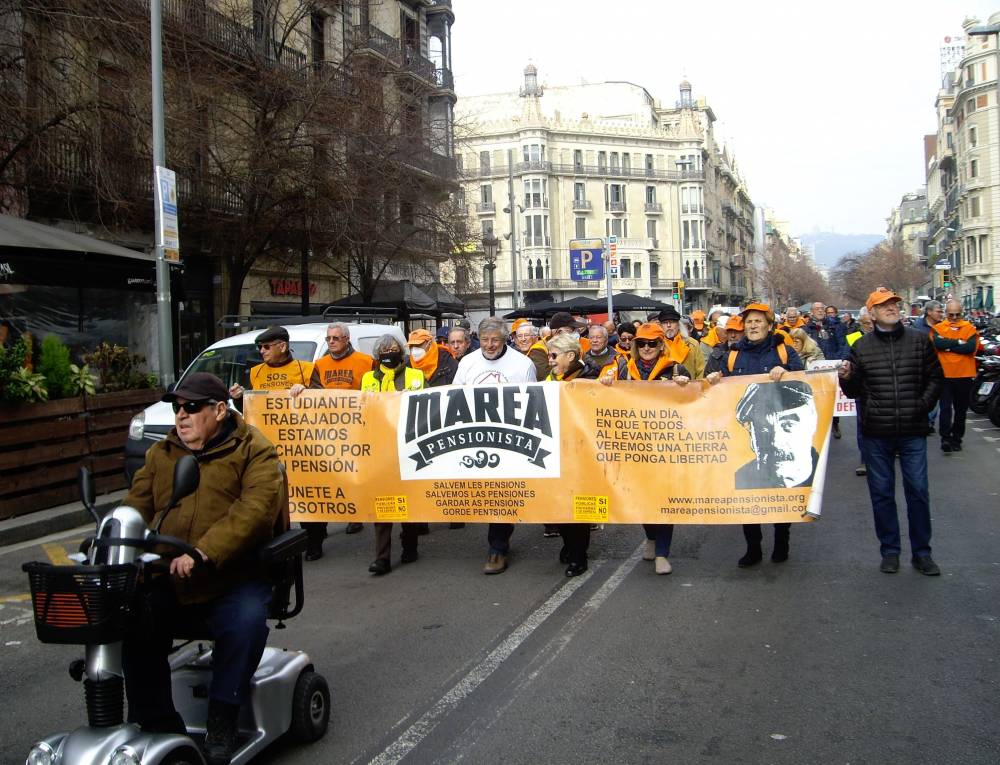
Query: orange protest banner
column 747, row 450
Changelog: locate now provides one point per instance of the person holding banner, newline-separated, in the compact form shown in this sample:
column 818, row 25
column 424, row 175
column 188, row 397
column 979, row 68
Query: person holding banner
column 683, row 350
column 393, row 374
column 626, row 334
column 651, row 360
column 760, row 351
column 495, row 363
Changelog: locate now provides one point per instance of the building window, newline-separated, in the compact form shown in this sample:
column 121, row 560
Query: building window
column 487, row 227
column 578, row 160
column 484, row 161
column 486, row 194
column 650, row 195
column 580, row 192
column 581, row 228
column 691, row 199
column 982, row 247
column 615, row 164
column 974, row 206
column 651, row 228
column 602, row 162
column 637, row 271
column 973, row 137
column 614, row 196
column 654, row 271
column 626, row 163
column 535, row 193
column 626, row 269
column 533, row 152
column 974, row 168
column 692, row 234
column 536, row 230
column 539, row 274
column 649, row 164
column 614, row 227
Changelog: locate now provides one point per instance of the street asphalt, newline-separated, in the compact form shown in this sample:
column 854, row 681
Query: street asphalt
column 818, row 660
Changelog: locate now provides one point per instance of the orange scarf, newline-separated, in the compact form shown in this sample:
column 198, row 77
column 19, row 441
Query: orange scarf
column 661, row 363
column 711, row 339
column 428, row 364
column 677, row 348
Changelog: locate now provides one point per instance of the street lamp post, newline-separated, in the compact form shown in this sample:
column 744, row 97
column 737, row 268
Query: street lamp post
column 491, row 248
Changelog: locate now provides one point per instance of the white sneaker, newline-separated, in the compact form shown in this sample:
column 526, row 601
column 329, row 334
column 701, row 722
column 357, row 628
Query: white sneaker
column 649, row 550
column 663, row 565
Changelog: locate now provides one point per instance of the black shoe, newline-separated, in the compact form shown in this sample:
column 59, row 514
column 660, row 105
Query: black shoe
column 408, row 556
column 564, row 555
column 780, row 552
column 753, row 556
column 423, row 529
column 932, row 431
column 551, row 530
column 221, row 733
column 575, row 569
column 946, row 446
column 926, row 565
column 956, row 446
column 836, row 430
column 889, row 564
column 353, row 528
column 456, row 525
column 379, row 567
column 314, row 553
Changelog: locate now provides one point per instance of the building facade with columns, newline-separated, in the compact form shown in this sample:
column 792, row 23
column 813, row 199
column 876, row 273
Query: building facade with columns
column 598, row 160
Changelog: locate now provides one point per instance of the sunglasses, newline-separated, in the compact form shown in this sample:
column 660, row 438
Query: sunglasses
column 954, row 316
column 334, row 338
column 555, row 356
column 267, row 346
column 191, row 407
column 647, row 343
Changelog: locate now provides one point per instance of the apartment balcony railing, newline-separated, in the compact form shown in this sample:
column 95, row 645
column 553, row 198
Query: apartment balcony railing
column 422, row 68
column 444, row 78
column 370, row 37
column 951, row 199
column 582, row 205
column 585, row 170
column 536, row 204
column 486, row 208
column 534, row 285
column 615, row 207
column 654, row 207
column 700, row 284
column 227, row 34
column 421, row 157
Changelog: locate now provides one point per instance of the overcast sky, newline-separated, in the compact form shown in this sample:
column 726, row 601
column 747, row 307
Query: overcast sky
column 824, row 104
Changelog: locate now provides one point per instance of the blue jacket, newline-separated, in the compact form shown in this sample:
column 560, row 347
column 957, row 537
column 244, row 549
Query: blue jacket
column 760, row 358
column 831, row 337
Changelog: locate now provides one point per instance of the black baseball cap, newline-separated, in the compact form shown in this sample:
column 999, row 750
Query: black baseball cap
column 200, row 386
column 564, row 319
column 271, row 335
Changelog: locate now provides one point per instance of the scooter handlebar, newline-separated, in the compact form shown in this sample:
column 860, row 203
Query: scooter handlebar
column 149, row 542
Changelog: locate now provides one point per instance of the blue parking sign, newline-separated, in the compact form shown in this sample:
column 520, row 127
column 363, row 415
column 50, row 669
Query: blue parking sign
column 586, row 262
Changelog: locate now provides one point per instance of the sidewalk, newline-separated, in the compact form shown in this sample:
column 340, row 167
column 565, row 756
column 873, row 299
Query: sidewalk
column 62, row 518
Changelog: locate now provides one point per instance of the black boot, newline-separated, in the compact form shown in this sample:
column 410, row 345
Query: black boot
column 221, row 732
column 753, row 556
column 780, row 552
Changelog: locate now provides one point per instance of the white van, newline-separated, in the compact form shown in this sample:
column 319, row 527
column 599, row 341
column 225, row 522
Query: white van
column 231, row 360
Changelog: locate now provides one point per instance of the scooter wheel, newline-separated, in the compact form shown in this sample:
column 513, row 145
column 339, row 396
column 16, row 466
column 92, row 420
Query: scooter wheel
column 184, row 756
column 994, row 412
column 310, row 708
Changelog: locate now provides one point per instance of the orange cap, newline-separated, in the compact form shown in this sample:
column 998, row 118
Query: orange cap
column 650, row 331
column 419, row 337
column 518, row 323
column 698, row 317
column 762, row 307
column 735, row 323
column 879, row 296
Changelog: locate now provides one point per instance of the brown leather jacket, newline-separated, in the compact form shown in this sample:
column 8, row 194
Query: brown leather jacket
column 240, row 497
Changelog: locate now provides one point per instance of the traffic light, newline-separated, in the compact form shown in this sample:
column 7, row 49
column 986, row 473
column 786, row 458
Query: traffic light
column 946, row 278
column 678, row 287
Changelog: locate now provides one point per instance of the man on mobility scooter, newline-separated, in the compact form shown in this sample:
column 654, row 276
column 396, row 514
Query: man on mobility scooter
column 240, row 496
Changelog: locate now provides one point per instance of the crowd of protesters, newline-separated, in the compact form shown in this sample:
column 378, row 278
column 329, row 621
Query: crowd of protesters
column 896, row 373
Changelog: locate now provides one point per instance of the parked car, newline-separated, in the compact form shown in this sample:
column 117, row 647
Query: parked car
column 231, row 360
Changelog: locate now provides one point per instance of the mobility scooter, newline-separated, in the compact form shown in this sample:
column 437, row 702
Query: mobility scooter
column 89, row 604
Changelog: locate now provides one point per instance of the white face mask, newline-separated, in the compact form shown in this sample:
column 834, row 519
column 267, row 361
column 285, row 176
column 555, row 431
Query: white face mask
column 417, row 353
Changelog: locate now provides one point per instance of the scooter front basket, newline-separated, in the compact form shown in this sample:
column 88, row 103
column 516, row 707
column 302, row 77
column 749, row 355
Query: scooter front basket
column 79, row 605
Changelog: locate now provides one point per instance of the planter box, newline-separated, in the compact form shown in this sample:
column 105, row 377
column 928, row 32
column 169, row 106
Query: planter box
column 42, row 446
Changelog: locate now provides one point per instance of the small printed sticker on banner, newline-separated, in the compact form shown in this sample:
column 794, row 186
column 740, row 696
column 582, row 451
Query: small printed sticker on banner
column 391, row 508
column 590, row 508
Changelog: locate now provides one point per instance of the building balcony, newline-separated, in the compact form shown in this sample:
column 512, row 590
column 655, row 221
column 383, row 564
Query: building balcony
column 538, row 204
column 444, row 78
column 422, row 69
column 700, row 284
column 486, row 208
column 535, row 285
column 615, row 207
column 420, row 157
column 582, row 205
column 586, row 170
column 654, row 208
column 368, row 38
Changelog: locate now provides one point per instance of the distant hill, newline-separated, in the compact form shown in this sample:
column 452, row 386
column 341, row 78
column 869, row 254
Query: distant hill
column 831, row 247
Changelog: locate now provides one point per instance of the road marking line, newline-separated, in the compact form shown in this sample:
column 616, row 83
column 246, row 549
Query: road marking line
column 419, row 730
column 15, row 598
column 57, row 554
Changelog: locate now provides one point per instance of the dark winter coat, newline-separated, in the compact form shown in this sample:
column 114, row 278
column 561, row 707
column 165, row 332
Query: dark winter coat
column 760, row 358
column 831, row 337
column 896, row 380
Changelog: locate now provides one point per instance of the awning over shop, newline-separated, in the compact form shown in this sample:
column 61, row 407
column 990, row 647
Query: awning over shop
column 446, row 301
column 403, row 295
column 21, row 234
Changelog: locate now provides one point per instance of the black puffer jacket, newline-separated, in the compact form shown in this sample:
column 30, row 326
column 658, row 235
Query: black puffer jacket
column 896, row 381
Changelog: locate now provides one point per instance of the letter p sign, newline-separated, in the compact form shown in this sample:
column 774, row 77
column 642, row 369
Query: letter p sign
column 586, row 256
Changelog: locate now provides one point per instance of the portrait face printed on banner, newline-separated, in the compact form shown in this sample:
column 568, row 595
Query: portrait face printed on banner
column 781, row 421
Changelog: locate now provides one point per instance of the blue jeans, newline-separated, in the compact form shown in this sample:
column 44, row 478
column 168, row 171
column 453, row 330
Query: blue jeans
column 499, row 537
column 662, row 534
column 880, row 456
column 236, row 622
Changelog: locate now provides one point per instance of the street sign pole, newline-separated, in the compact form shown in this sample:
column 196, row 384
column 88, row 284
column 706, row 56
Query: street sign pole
column 163, row 306
column 607, row 275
